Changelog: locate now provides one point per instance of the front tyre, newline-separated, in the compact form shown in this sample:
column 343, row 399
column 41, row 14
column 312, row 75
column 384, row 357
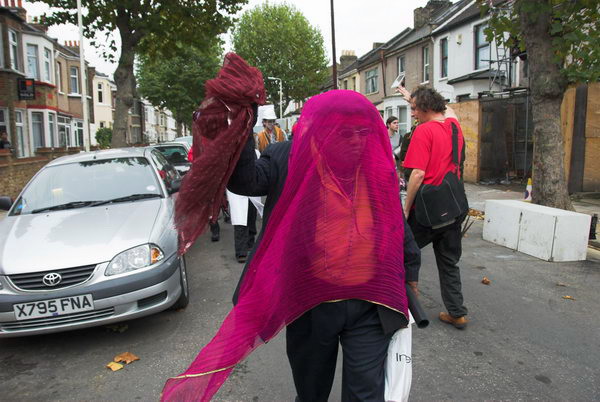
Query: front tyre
column 184, row 298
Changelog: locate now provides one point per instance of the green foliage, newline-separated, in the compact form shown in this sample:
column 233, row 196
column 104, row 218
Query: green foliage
column 280, row 41
column 104, row 137
column 150, row 26
column 574, row 32
column 177, row 83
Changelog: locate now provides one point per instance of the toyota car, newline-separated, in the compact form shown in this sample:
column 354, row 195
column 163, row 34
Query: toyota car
column 91, row 241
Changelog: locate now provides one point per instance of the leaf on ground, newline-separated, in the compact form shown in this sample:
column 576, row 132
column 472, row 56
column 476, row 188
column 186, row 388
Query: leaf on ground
column 114, row 366
column 126, row 357
column 569, row 297
column 486, row 281
column 476, row 214
column 561, row 284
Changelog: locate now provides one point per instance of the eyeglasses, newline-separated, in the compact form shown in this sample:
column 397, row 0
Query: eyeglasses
column 349, row 132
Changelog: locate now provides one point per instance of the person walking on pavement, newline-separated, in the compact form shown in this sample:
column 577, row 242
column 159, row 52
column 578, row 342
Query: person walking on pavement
column 392, row 125
column 430, row 158
column 312, row 340
column 271, row 132
column 331, row 261
column 243, row 212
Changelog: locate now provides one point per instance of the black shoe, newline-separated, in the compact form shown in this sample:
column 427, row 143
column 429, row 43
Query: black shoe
column 241, row 258
column 215, row 237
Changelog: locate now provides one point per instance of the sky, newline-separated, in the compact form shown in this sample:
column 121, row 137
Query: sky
column 358, row 24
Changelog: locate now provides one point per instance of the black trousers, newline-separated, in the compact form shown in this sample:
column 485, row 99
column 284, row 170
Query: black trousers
column 312, row 348
column 447, row 247
column 244, row 235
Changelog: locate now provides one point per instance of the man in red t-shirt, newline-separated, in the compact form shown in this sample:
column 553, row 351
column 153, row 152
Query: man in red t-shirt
column 430, row 158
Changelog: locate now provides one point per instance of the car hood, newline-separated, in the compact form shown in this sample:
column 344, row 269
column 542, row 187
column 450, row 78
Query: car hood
column 72, row 238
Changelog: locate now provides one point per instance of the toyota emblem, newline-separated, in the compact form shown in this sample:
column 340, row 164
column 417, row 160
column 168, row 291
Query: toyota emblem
column 52, row 279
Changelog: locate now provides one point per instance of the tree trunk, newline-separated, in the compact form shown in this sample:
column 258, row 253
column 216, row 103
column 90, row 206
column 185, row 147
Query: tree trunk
column 125, row 81
column 547, row 87
column 178, row 128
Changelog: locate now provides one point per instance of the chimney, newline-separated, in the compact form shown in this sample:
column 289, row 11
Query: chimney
column 422, row 15
column 348, row 57
column 16, row 6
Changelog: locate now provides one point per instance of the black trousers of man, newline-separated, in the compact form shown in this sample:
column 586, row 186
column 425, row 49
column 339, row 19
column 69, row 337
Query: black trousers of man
column 312, row 348
column 447, row 247
column 244, row 235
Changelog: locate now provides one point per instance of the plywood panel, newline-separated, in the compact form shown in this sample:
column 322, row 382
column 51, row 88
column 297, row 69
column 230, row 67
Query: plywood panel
column 469, row 115
column 592, row 128
column 591, row 171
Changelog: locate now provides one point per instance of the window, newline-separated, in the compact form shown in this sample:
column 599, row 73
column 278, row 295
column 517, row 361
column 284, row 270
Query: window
column 2, row 48
column 37, row 125
column 444, row 57
column 59, row 76
column 3, row 120
column 482, row 48
column 52, row 129
column 100, row 94
column 14, row 54
column 101, row 124
column 79, row 133
column 371, row 77
column 32, row 61
column 425, row 64
column 47, row 64
column 403, row 120
column 64, row 132
column 388, row 112
column 401, row 64
column 74, row 74
column 345, row 84
column 20, row 136
column 354, row 83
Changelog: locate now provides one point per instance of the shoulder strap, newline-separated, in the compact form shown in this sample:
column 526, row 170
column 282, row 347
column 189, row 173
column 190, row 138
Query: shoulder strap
column 454, row 144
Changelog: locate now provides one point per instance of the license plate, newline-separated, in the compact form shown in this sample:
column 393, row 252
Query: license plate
column 53, row 307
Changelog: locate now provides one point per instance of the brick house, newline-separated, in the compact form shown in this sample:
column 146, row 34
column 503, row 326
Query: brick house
column 49, row 115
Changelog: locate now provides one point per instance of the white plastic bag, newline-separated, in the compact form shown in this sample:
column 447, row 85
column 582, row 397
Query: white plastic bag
column 398, row 366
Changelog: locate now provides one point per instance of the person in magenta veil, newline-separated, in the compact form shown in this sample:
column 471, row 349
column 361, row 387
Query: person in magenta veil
column 331, row 261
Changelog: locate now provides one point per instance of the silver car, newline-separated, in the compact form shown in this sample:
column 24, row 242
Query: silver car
column 89, row 241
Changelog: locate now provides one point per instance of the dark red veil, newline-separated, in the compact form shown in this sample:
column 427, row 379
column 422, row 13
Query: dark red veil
column 220, row 131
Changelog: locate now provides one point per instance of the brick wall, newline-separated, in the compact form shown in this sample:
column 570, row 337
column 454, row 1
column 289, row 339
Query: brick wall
column 16, row 173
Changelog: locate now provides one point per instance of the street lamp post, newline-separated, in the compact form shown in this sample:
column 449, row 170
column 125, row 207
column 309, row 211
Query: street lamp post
column 84, row 101
column 280, row 94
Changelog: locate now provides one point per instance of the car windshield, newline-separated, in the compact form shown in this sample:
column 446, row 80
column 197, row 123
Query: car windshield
column 90, row 183
column 175, row 154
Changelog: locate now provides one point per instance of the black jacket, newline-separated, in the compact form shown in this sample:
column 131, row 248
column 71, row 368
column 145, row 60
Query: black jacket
column 267, row 175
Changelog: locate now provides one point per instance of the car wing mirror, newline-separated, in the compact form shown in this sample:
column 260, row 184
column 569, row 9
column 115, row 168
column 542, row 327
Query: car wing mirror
column 175, row 186
column 5, row 203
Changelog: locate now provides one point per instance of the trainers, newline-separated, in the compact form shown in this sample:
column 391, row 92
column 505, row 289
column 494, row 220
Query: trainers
column 241, row 258
column 459, row 322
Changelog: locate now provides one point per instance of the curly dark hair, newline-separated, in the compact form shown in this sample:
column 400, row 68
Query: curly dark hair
column 428, row 99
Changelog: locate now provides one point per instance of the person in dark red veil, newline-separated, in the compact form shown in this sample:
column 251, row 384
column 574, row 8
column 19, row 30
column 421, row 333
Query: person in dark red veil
column 220, row 125
column 331, row 262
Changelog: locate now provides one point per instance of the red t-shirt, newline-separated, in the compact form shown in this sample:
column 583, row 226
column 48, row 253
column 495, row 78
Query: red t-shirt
column 430, row 150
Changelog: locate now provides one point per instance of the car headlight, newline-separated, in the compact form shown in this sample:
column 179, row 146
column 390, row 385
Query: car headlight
column 134, row 258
